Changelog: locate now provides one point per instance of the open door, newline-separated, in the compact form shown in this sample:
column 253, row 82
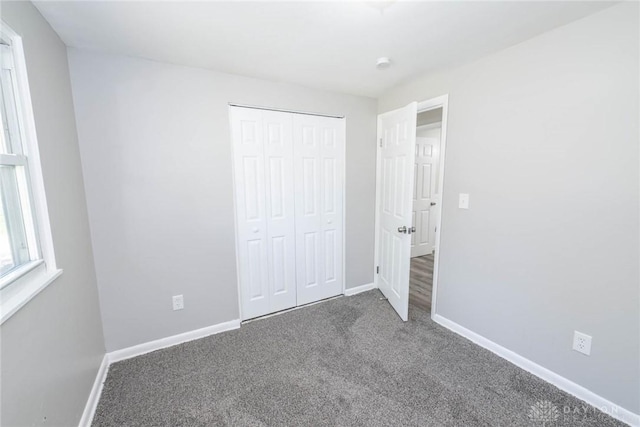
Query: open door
column 396, row 156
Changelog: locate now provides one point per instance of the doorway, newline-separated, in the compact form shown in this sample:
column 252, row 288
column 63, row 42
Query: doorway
column 426, row 207
column 409, row 182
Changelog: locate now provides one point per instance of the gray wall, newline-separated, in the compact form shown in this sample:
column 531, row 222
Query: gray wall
column 53, row 346
column 156, row 154
column 544, row 137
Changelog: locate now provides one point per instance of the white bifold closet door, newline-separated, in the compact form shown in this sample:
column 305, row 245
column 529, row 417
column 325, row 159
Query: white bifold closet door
column 263, row 154
column 318, row 148
column 288, row 189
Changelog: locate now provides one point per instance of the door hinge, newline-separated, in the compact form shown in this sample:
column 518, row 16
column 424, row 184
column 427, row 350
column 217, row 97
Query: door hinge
column 377, row 269
column 380, row 142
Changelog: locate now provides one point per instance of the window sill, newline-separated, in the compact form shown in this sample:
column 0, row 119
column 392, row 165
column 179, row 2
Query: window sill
column 16, row 274
column 19, row 293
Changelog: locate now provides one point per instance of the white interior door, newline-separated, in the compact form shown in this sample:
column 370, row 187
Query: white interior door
column 319, row 157
column 425, row 203
column 396, row 153
column 263, row 167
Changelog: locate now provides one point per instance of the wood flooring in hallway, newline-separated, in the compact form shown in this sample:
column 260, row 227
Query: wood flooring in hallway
column 421, row 282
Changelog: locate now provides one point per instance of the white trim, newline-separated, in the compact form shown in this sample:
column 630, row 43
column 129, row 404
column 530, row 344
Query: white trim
column 359, row 289
column 236, row 243
column 18, row 272
column 344, row 206
column 431, row 104
column 436, row 125
column 30, row 146
column 551, row 377
column 376, row 243
column 13, row 159
column 24, row 289
column 280, row 110
column 140, row 349
column 28, row 285
column 94, row 396
column 376, row 213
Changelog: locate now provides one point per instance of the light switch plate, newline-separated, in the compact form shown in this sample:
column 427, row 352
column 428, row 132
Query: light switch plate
column 463, row 201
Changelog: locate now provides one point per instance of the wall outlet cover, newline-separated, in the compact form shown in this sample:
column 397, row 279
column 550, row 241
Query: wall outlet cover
column 582, row 343
column 178, row 302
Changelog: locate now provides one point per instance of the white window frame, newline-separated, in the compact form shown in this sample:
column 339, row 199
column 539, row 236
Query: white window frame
column 19, row 286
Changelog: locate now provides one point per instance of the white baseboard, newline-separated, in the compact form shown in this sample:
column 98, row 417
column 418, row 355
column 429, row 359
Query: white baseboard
column 561, row 382
column 94, row 396
column 137, row 350
column 140, row 349
column 358, row 289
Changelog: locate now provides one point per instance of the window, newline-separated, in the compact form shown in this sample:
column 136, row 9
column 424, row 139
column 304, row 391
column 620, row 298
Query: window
column 18, row 242
column 27, row 263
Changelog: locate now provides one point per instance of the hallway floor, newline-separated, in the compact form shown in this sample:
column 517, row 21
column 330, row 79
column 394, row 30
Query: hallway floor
column 421, row 282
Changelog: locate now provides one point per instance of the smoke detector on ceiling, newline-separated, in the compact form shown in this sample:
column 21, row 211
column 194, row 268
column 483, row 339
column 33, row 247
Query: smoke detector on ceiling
column 383, row 63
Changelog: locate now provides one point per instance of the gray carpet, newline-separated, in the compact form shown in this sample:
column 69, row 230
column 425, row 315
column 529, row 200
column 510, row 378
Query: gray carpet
column 349, row 362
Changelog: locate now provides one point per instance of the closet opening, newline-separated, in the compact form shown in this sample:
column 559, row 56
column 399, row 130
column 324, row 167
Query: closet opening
column 288, row 170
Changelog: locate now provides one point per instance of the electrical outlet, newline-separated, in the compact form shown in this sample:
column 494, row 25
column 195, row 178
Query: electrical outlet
column 178, row 302
column 581, row 343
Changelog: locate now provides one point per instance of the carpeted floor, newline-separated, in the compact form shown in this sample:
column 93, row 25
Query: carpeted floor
column 350, row 361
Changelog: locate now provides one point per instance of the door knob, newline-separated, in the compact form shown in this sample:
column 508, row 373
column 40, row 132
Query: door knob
column 402, row 229
column 433, row 203
column 412, row 230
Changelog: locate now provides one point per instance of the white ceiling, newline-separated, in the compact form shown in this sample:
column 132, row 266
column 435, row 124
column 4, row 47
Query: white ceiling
column 326, row 45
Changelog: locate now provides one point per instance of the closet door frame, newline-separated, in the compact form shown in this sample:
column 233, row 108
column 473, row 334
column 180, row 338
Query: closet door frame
column 343, row 170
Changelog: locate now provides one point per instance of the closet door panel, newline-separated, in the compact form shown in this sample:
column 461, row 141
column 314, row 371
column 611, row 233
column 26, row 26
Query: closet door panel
column 280, row 195
column 332, row 156
column 318, row 180
column 251, row 218
column 307, row 216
